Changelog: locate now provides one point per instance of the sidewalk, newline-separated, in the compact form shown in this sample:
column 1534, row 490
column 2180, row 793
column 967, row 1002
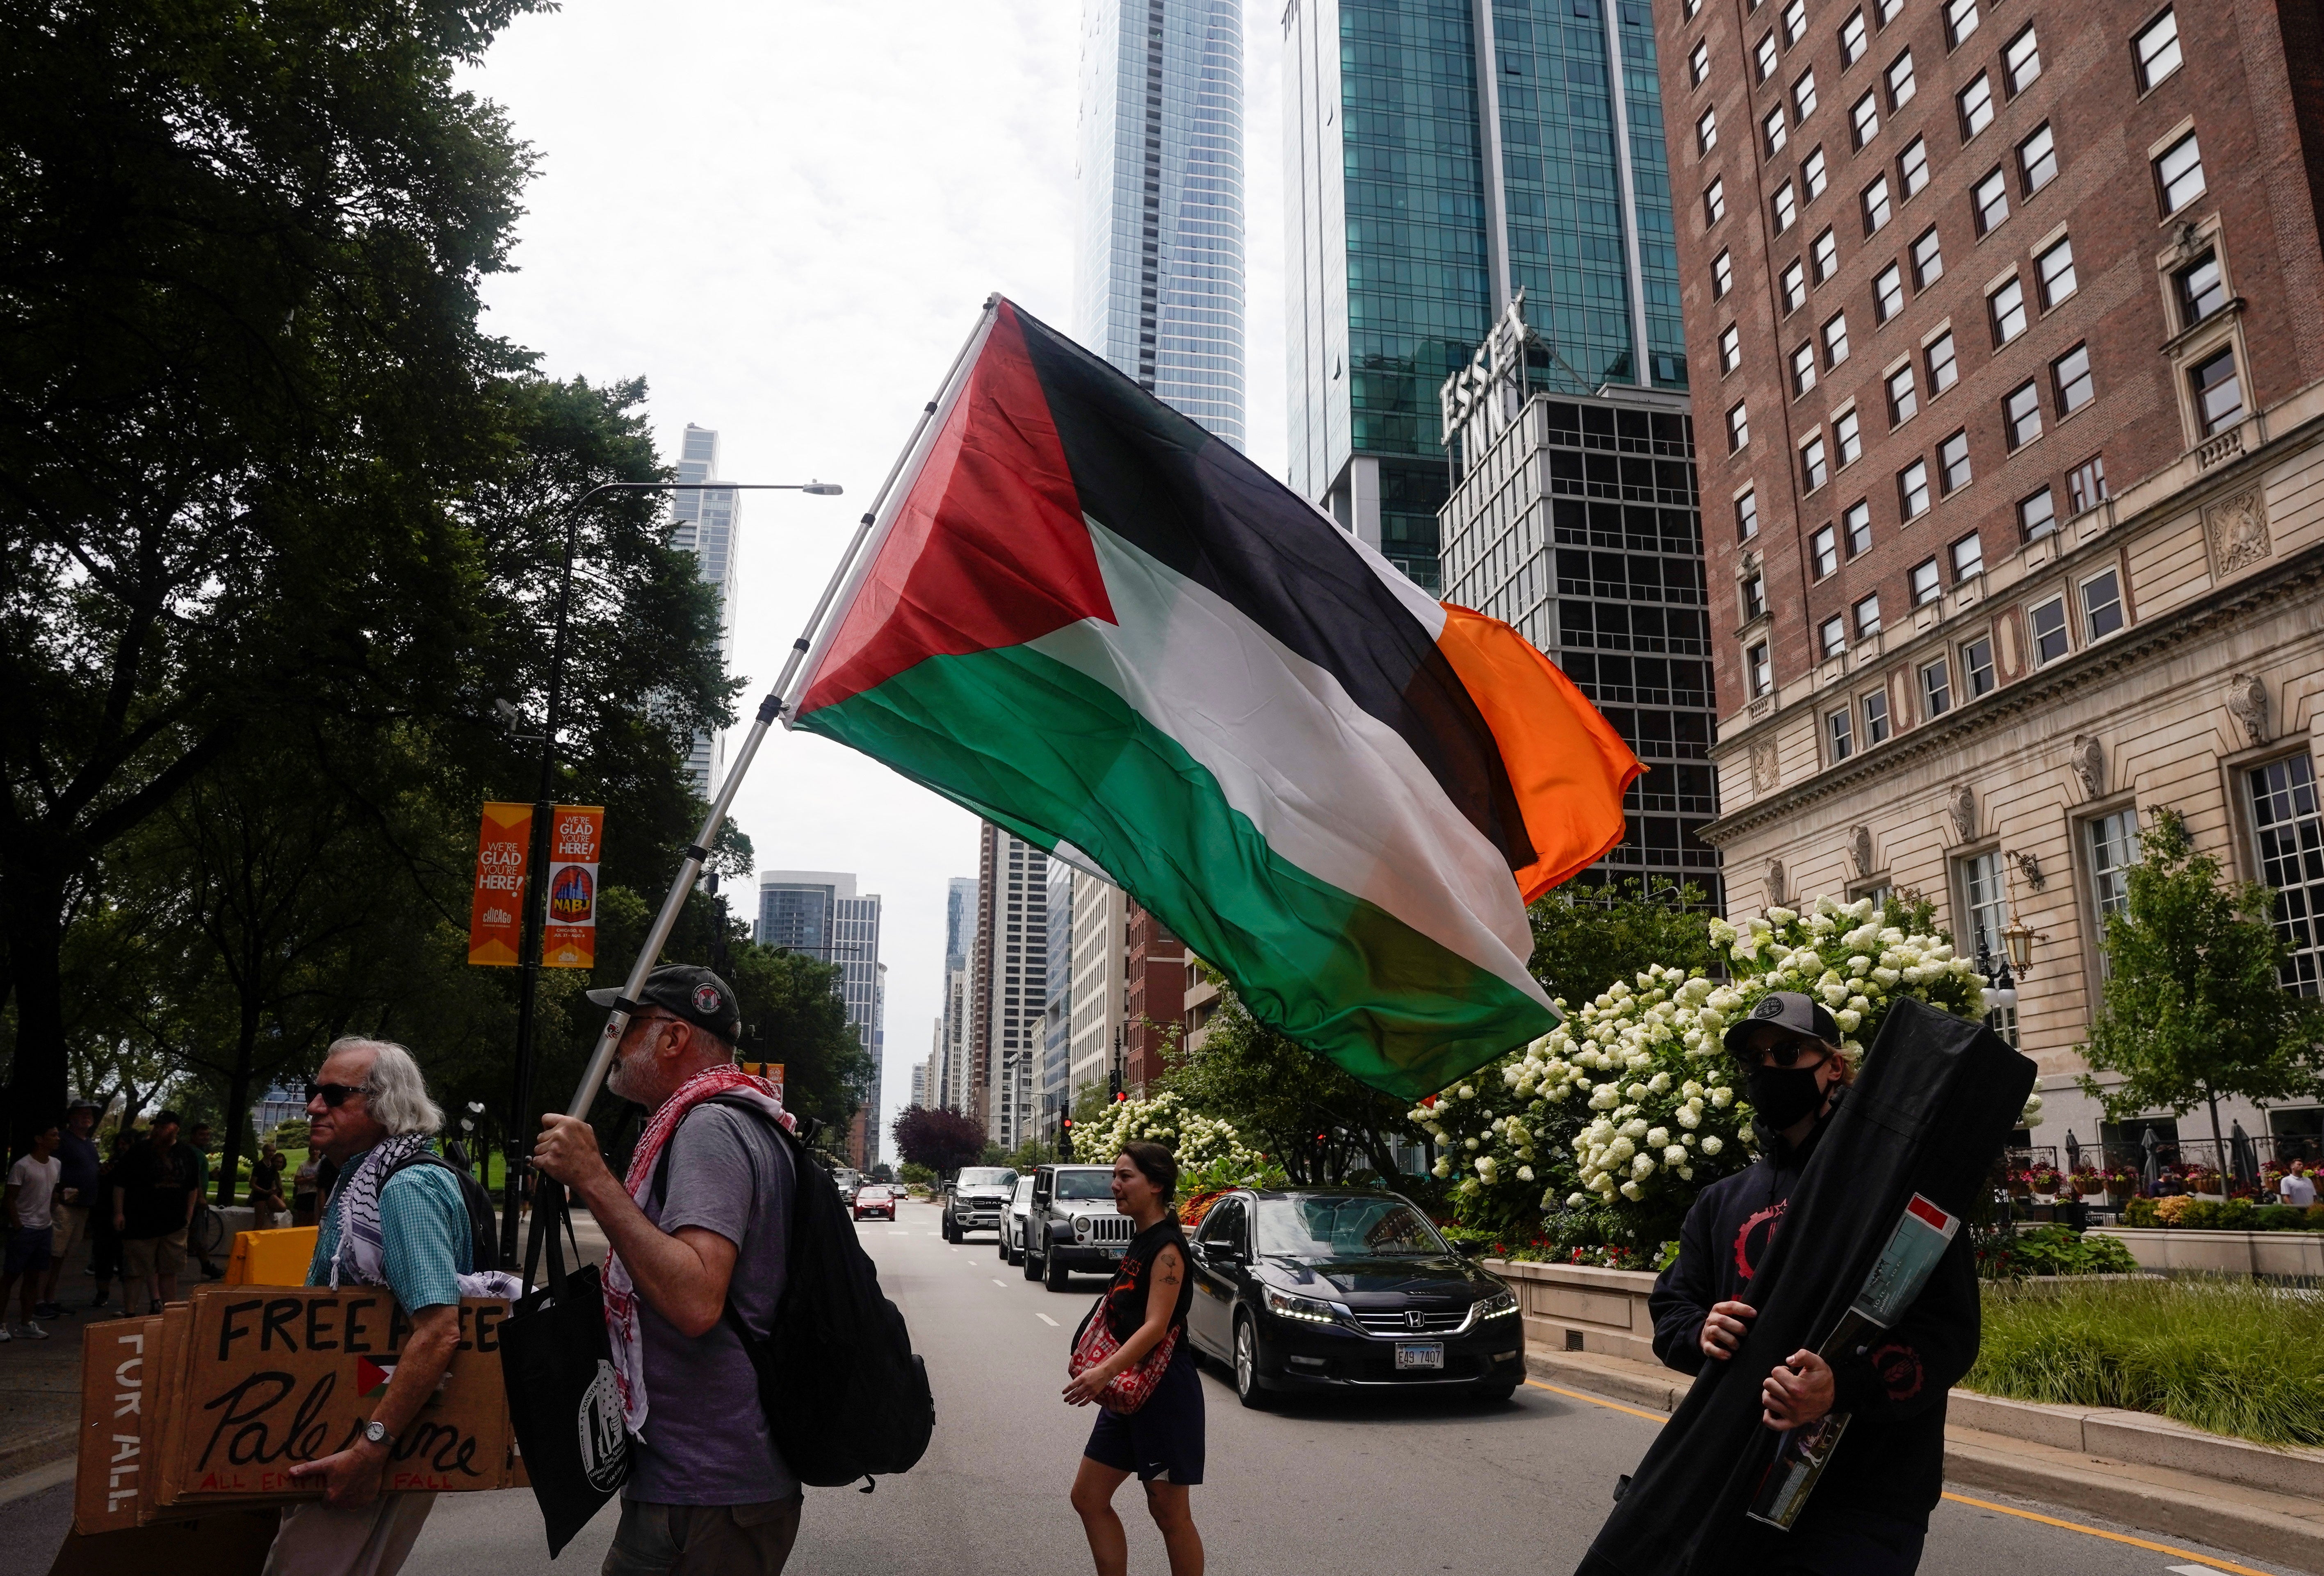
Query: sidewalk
column 2143, row 1472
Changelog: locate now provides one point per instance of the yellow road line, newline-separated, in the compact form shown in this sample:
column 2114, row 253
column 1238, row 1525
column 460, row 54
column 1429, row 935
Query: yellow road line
column 2117, row 1537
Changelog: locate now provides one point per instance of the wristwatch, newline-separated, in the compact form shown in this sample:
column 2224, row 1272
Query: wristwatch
column 374, row 1431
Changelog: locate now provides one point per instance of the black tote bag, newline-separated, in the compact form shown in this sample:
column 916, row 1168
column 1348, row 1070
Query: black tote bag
column 558, row 1369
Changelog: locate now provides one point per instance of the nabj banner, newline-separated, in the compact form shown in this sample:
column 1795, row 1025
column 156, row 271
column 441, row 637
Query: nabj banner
column 576, row 837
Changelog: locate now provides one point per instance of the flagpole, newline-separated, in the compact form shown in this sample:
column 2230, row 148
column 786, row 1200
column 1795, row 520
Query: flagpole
column 690, row 870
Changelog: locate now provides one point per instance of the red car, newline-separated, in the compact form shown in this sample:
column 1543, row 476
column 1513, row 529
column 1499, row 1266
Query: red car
column 873, row 1199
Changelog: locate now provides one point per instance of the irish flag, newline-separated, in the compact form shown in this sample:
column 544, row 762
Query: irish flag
column 1085, row 618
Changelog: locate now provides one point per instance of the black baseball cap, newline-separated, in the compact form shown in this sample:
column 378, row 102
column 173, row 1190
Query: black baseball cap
column 1784, row 1009
column 685, row 992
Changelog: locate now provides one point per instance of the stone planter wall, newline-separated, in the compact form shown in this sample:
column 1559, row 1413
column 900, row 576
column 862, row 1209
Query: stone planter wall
column 1571, row 1307
column 2289, row 1254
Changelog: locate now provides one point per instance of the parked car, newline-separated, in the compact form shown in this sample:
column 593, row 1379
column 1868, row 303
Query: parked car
column 1011, row 1234
column 848, row 1180
column 974, row 1199
column 874, row 1198
column 1072, row 1223
column 1339, row 1290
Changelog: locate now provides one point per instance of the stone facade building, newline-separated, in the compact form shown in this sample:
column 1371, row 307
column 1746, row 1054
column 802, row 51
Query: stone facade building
column 2008, row 375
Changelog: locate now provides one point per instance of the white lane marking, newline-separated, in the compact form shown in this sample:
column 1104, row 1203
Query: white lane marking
column 899, row 1233
column 930, row 1233
column 1052, row 1323
column 2193, row 1569
column 1001, row 1284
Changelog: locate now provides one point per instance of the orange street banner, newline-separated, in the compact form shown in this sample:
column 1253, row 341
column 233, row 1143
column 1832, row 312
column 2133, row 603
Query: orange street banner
column 575, row 838
column 496, row 918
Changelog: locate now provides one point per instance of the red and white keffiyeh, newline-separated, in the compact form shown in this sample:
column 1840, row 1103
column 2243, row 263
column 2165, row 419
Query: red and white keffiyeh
column 621, row 1330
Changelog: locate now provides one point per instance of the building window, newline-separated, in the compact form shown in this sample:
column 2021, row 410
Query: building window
column 1706, row 132
column 1853, row 39
column 1985, row 902
column 1936, row 688
column 1835, row 339
column 1723, row 275
column 1952, row 463
column 2219, row 393
column 1928, row 260
column 1731, row 349
column 1903, row 398
column 1926, row 586
column 1739, row 427
column 1848, row 439
column 1823, row 549
column 1839, row 731
column 2201, row 289
column 1977, row 662
column 2048, row 622
column 2037, row 160
column 1968, row 557
column 1795, row 287
column 1989, row 200
column 1886, row 10
column 1864, row 118
column 1867, row 617
column 1943, row 370
column 1912, row 167
column 1888, row 293
column 1698, row 64
column 2085, row 485
column 1825, row 256
column 2021, row 62
column 1875, row 717
column 1775, row 130
column 1960, row 21
column 2037, row 515
column 2007, row 307
column 1877, row 205
column 1755, row 597
column 2069, row 375
column 2021, row 415
column 1714, row 200
column 2112, row 843
column 1795, row 22
column 1900, row 86
column 1832, row 636
column 1763, row 679
column 2290, row 833
column 1804, row 370
column 2101, row 606
column 2156, row 50
column 2179, row 174
column 1786, row 206
column 1803, row 95
column 1765, row 56
column 1812, row 178
column 1746, row 515
column 1912, row 490
column 1975, row 103
column 2055, row 268
column 1815, row 468
column 1857, row 522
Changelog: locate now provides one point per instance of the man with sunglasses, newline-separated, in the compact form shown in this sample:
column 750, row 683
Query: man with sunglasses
column 1870, row 1511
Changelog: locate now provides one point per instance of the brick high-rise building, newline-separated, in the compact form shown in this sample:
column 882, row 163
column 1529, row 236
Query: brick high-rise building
column 1156, row 999
column 2008, row 384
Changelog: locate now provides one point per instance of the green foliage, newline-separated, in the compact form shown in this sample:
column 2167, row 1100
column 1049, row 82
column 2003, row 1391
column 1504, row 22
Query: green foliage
column 1586, row 937
column 2063, row 1250
column 2288, row 1217
column 2229, row 1354
column 1032, row 1152
column 916, row 1175
column 2194, row 1008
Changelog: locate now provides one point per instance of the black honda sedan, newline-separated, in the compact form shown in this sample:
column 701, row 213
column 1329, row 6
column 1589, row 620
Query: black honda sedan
column 1340, row 1290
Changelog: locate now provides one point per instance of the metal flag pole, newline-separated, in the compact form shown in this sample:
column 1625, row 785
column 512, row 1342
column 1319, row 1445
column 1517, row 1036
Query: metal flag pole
column 689, row 869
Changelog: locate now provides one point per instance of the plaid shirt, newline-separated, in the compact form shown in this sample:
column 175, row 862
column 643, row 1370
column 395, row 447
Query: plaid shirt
column 423, row 1236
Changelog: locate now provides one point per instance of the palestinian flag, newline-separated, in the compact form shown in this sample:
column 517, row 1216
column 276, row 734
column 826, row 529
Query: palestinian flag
column 1090, row 621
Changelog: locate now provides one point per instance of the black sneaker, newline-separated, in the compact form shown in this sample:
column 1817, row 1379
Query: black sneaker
column 47, row 1311
column 156, row 1307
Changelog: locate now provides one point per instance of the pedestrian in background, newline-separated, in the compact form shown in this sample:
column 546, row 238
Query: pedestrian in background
column 29, row 1199
column 153, row 1203
column 198, row 1151
column 104, row 1236
column 2296, row 1186
column 1162, row 1442
column 76, row 1190
column 266, row 1204
column 302, row 1190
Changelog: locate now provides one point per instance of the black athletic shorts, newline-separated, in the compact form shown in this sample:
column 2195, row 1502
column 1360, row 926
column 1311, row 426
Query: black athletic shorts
column 1162, row 1441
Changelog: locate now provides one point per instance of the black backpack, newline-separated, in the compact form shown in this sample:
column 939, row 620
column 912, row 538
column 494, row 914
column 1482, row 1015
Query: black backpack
column 845, row 1396
column 484, row 1230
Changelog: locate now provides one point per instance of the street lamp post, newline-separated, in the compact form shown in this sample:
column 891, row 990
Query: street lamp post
column 543, row 810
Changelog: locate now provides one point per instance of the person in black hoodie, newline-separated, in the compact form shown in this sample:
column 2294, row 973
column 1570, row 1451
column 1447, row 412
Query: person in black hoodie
column 1870, row 1511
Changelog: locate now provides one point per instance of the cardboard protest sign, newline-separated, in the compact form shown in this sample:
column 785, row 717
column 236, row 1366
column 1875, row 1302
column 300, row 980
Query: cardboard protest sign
column 117, row 1360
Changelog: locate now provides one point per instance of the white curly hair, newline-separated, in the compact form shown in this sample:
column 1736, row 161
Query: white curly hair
column 394, row 1090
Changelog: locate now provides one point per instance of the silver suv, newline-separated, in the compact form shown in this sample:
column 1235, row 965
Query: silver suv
column 974, row 1199
column 1070, row 1224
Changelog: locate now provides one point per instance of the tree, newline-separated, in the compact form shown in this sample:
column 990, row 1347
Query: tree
column 942, row 1140
column 1586, row 937
column 2194, row 1008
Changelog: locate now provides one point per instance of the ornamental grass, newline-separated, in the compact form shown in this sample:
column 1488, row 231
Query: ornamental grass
column 2218, row 1352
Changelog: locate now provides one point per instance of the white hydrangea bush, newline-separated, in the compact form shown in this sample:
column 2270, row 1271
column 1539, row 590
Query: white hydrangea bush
column 1630, row 1106
column 1197, row 1140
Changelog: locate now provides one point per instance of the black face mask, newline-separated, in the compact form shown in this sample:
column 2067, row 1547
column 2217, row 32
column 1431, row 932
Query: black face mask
column 1783, row 1095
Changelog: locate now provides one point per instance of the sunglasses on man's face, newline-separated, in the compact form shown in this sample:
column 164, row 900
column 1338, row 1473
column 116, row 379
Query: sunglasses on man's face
column 1791, row 1053
column 335, row 1095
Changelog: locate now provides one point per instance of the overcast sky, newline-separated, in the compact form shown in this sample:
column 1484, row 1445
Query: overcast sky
column 785, row 218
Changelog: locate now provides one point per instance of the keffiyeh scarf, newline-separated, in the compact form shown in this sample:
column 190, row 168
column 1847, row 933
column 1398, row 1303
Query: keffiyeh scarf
column 361, row 1257
column 621, row 1330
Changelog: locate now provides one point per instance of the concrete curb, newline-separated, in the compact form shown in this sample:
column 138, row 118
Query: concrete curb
column 39, row 1448
column 2023, row 1449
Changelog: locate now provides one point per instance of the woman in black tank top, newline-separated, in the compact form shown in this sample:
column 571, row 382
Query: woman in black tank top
column 1162, row 1441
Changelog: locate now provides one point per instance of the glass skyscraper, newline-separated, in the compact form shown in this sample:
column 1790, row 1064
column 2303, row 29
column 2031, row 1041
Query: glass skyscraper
column 820, row 914
column 1440, row 156
column 705, row 525
column 1158, row 271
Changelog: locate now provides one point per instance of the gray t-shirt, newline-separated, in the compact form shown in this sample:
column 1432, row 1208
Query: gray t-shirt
column 705, row 1439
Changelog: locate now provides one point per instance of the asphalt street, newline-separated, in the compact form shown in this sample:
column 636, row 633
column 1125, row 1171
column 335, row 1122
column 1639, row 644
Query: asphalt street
column 1349, row 1488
